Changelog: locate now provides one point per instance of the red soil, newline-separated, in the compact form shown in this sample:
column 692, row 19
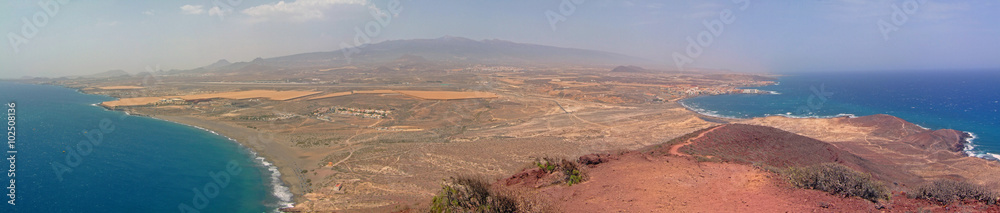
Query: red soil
column 663, row 179
column 674, row 149
column 748, row 144
column 643, row 183
column 638, row 182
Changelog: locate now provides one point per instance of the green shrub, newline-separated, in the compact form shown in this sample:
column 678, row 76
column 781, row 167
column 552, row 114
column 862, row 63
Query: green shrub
column 571, row 170
column 546, row 166
column 837, row 179
column 947, row 191
column 467, row 194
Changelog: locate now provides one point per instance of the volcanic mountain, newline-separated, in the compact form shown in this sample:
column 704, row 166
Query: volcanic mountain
column 448, row 50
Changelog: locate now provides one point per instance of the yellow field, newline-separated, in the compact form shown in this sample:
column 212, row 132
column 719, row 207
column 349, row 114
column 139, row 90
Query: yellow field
column 380, row 91
column 269, row 94
column 330, row 95
column 120, row 87
column 288, row 95
column 132, row 101
column 428, row 95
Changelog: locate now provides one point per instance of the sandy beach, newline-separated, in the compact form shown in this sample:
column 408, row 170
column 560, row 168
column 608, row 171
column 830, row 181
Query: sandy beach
column 274, row 152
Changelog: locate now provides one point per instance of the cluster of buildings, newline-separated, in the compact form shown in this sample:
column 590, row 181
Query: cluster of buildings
column 364, row 113
column 271, row 117
column 682, row 90
column 172, row 101
column 694, row 91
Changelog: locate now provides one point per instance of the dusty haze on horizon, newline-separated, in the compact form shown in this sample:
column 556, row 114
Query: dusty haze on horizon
column 50, row 38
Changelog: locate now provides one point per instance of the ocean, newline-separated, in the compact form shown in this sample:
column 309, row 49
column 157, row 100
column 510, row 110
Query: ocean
column 962, row 100
column 74, row 156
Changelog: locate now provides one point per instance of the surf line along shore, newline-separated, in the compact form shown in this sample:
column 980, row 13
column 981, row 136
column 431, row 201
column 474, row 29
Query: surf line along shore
column 272, row 151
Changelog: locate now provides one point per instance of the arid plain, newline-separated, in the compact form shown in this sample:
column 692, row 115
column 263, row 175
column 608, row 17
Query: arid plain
column 386, row 139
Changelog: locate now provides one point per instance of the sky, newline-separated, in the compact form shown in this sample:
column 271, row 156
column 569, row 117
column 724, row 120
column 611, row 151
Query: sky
column 50, row 38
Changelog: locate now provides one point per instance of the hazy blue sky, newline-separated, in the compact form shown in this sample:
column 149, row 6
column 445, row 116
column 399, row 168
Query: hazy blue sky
column 83, row 37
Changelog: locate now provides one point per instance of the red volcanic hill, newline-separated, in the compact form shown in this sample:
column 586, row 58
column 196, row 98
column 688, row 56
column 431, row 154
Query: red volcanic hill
column 908, row 133
column 684, row 175
column 942, row 139
column 752, row 144
column 886, row 125
column 654, row 180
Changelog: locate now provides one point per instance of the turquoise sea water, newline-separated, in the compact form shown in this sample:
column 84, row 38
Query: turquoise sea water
column 73, row 156
column 961, row 100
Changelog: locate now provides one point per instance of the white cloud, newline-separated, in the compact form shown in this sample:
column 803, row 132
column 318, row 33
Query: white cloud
column 192, row 9
column 149, row 13
column 298, row 10
column 216, row 11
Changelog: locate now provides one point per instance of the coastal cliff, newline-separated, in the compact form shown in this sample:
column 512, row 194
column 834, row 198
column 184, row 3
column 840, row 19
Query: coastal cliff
column 928, row 154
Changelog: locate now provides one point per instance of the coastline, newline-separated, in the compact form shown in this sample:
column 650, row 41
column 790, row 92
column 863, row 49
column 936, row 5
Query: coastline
column 278, row 188
column 283, row 158
column 970, row 147
column 281, row 185
column 967, row 139
column 263, row 154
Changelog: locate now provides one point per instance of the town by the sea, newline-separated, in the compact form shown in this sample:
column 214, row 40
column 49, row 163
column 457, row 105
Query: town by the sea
column 962, row 100
column 74, row 156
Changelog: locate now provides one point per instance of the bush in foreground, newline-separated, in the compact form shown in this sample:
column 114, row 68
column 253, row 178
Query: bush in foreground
column 947, row 191
column 571, row 171
column 837, row 179
column 468, row 194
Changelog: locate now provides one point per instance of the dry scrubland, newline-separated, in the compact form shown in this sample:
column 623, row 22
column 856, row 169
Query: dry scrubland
column 269, row 94
column 391, row 141
column 288, row 95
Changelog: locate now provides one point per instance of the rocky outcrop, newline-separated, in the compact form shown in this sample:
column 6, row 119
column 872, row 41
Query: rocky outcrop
column 887, row 126
column 942, row 139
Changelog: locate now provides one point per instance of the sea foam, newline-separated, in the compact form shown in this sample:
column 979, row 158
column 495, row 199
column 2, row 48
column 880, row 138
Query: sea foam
column 970, row 149
column 814, row 116
column 278, row 189
column 705, row 112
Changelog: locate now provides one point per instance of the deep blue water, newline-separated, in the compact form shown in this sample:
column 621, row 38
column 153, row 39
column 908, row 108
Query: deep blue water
column 141, row 165
column 961, row 100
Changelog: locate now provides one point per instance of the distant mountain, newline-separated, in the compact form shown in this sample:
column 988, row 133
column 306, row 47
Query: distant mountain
column 453, row 50
column 218, row 64
column 629, row 69
column 224, row 65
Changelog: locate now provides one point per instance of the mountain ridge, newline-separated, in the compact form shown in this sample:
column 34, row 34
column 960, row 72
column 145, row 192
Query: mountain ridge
column 447, row 49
